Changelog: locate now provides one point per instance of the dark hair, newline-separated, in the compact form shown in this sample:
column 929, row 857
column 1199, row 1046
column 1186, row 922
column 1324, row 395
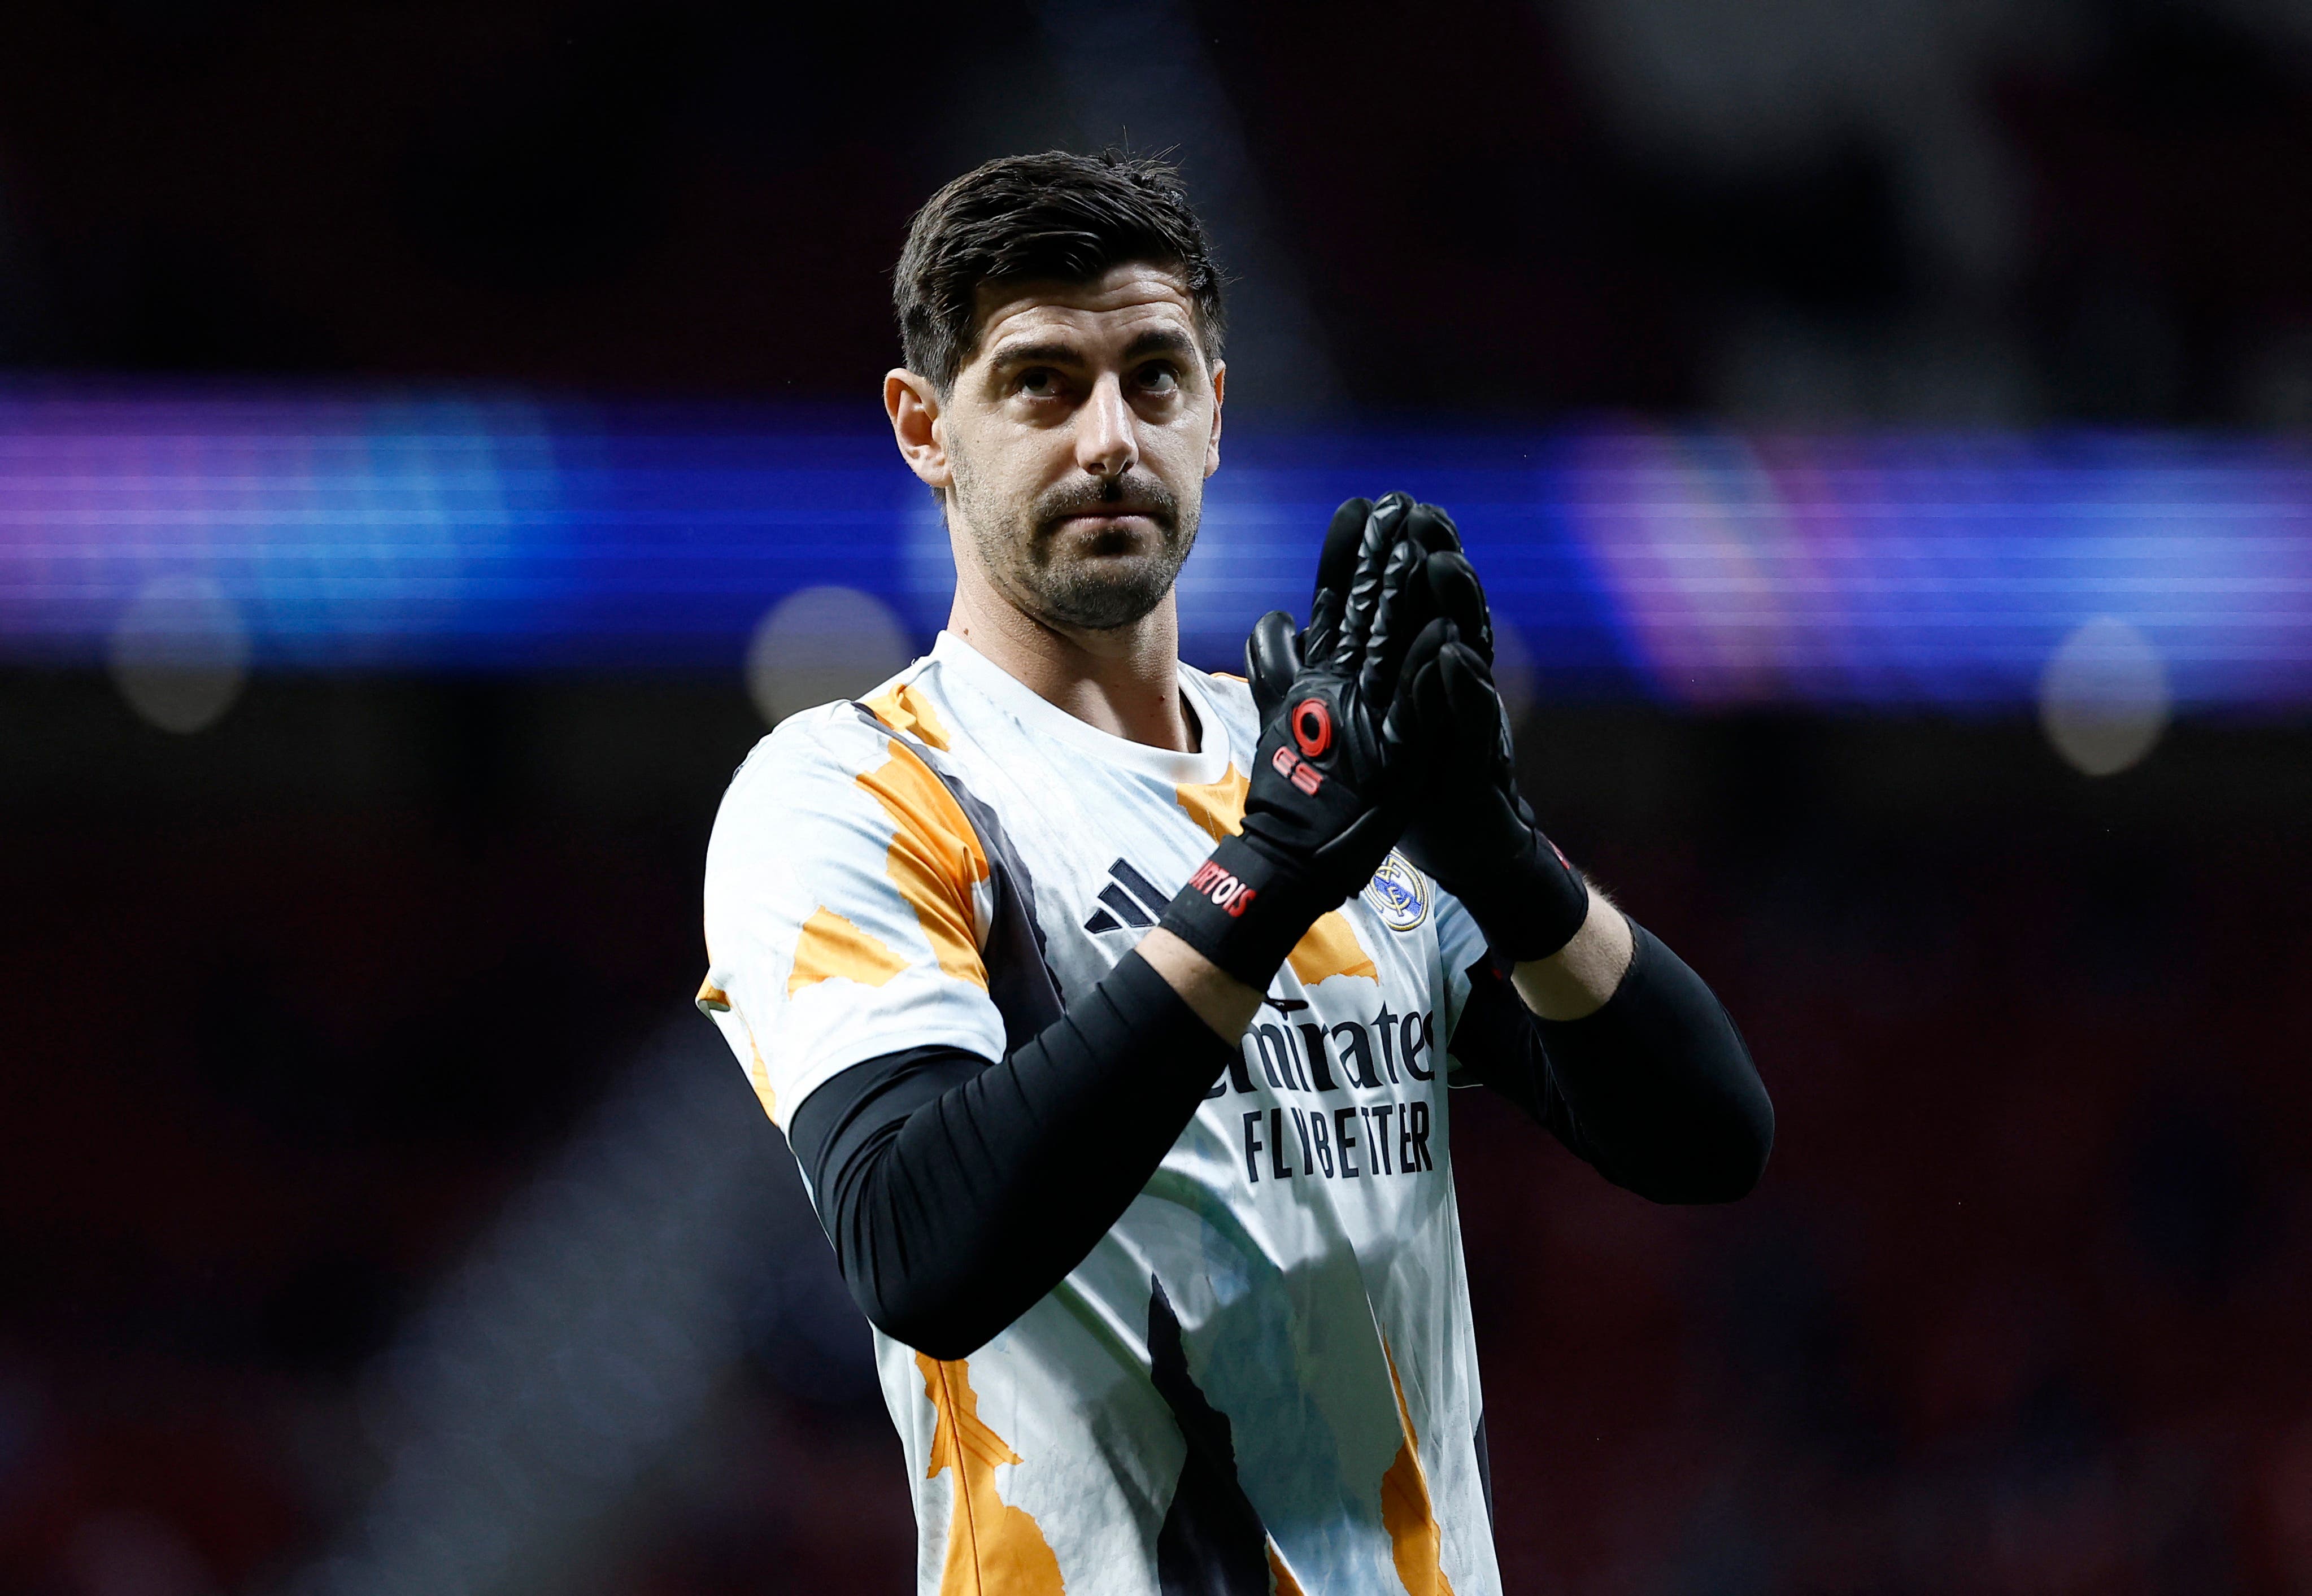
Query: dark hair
column 1052, row 217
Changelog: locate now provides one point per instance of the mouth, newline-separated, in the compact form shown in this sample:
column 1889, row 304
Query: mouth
column 1110, row 518
column 1111, row 512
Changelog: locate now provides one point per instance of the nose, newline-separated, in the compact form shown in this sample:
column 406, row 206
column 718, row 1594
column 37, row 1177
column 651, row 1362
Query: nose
column 1106, row 444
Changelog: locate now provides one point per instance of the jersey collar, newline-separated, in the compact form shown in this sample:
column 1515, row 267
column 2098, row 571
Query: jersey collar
column 1016, row 699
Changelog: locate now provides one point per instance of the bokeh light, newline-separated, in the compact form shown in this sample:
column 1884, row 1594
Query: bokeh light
column 179, row 653
column 2104, row 699
column 821, row 644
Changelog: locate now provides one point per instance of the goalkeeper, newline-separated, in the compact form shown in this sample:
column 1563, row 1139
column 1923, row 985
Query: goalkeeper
column 1108, row 1005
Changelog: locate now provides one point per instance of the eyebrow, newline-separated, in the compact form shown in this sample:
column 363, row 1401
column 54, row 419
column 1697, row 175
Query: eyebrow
column 1159, row 340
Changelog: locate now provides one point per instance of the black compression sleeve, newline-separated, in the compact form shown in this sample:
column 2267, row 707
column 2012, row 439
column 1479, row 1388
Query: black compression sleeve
column 1656, row 1088
column 959, row 1193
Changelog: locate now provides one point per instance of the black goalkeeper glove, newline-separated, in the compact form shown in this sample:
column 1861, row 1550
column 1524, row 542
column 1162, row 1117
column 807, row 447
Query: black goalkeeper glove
column 1472, row 830
column 1335, row 774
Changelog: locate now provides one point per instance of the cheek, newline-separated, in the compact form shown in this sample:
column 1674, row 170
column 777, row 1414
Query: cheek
column 1004, row 472
column 976, row 453
column 1175, row 437
column 1182, row 455
column 1010, row 453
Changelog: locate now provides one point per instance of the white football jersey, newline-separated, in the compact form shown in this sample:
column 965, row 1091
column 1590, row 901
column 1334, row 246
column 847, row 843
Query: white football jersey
column 1273, row 1341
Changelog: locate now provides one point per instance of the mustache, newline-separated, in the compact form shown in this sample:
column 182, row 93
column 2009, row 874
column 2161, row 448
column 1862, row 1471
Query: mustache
column 1143, row 495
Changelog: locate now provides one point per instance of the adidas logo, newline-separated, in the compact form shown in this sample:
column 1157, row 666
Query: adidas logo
column 1131, row 901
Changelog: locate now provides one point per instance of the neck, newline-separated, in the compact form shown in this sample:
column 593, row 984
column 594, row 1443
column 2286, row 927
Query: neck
column 1124, row 681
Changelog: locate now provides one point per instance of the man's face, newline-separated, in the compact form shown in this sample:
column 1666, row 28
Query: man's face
column 1076, row 443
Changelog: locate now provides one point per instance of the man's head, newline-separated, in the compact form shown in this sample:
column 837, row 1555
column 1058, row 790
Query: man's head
column 1060, row 317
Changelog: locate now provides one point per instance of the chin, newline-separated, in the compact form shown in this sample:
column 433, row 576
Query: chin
column 1107, row 600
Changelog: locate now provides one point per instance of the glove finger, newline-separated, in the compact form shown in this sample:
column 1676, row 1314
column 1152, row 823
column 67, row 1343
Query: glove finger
column 1375, row 545
column 1421, row 714
column 1433, row 530
column 1456, row 592
column 1272, row 658
column 1404, row 608
column 1336, row 565
column 1481, row 724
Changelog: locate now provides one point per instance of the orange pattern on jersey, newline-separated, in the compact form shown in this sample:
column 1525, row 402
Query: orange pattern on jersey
column 1280, row 1581
column 758, row 1074
column 1414, row 1539
column 1330, row 947
column 1216, row 806
column 935, row 859
column 711, row 998
column 903, row 709
column 992, row 1545
column 831, row 946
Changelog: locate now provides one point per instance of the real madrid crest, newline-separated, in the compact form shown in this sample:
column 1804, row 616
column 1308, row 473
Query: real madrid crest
column 1399, row 894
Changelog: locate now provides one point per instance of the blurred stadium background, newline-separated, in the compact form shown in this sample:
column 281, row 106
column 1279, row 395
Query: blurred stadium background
column 436, row 440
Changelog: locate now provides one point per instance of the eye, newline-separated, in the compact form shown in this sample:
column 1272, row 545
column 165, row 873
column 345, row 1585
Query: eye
column 1160, row 377
column 1037, row 382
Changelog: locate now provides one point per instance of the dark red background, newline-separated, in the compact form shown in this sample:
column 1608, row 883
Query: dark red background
column 2021, row 1306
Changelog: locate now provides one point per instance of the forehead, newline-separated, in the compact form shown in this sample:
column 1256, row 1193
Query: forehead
column 1120, row 304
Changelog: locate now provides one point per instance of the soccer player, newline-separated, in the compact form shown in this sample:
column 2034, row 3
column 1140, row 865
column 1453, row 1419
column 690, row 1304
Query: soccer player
column 1108, row 1005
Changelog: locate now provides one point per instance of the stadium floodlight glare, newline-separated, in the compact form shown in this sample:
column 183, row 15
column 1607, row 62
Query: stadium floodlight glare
column 1687, row 567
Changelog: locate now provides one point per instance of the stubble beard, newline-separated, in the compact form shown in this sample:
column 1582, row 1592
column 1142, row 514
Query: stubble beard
column 1028, row 562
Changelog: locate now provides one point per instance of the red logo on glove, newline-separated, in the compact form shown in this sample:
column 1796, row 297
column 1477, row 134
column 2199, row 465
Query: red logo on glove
column 1307, row 776
column 1312, row 726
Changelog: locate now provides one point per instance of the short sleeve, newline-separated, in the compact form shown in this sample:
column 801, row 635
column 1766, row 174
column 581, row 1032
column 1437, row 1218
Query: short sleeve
column 847, row 901
column 1460, row 944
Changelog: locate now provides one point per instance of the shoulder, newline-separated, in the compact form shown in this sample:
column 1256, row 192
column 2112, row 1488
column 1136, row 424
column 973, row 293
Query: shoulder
column 808, row 753
column 844, row 790
column 830, row 747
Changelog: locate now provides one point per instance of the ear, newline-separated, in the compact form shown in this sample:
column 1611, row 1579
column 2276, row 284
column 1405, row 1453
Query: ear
column 913, row 403
column 1212, row 444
